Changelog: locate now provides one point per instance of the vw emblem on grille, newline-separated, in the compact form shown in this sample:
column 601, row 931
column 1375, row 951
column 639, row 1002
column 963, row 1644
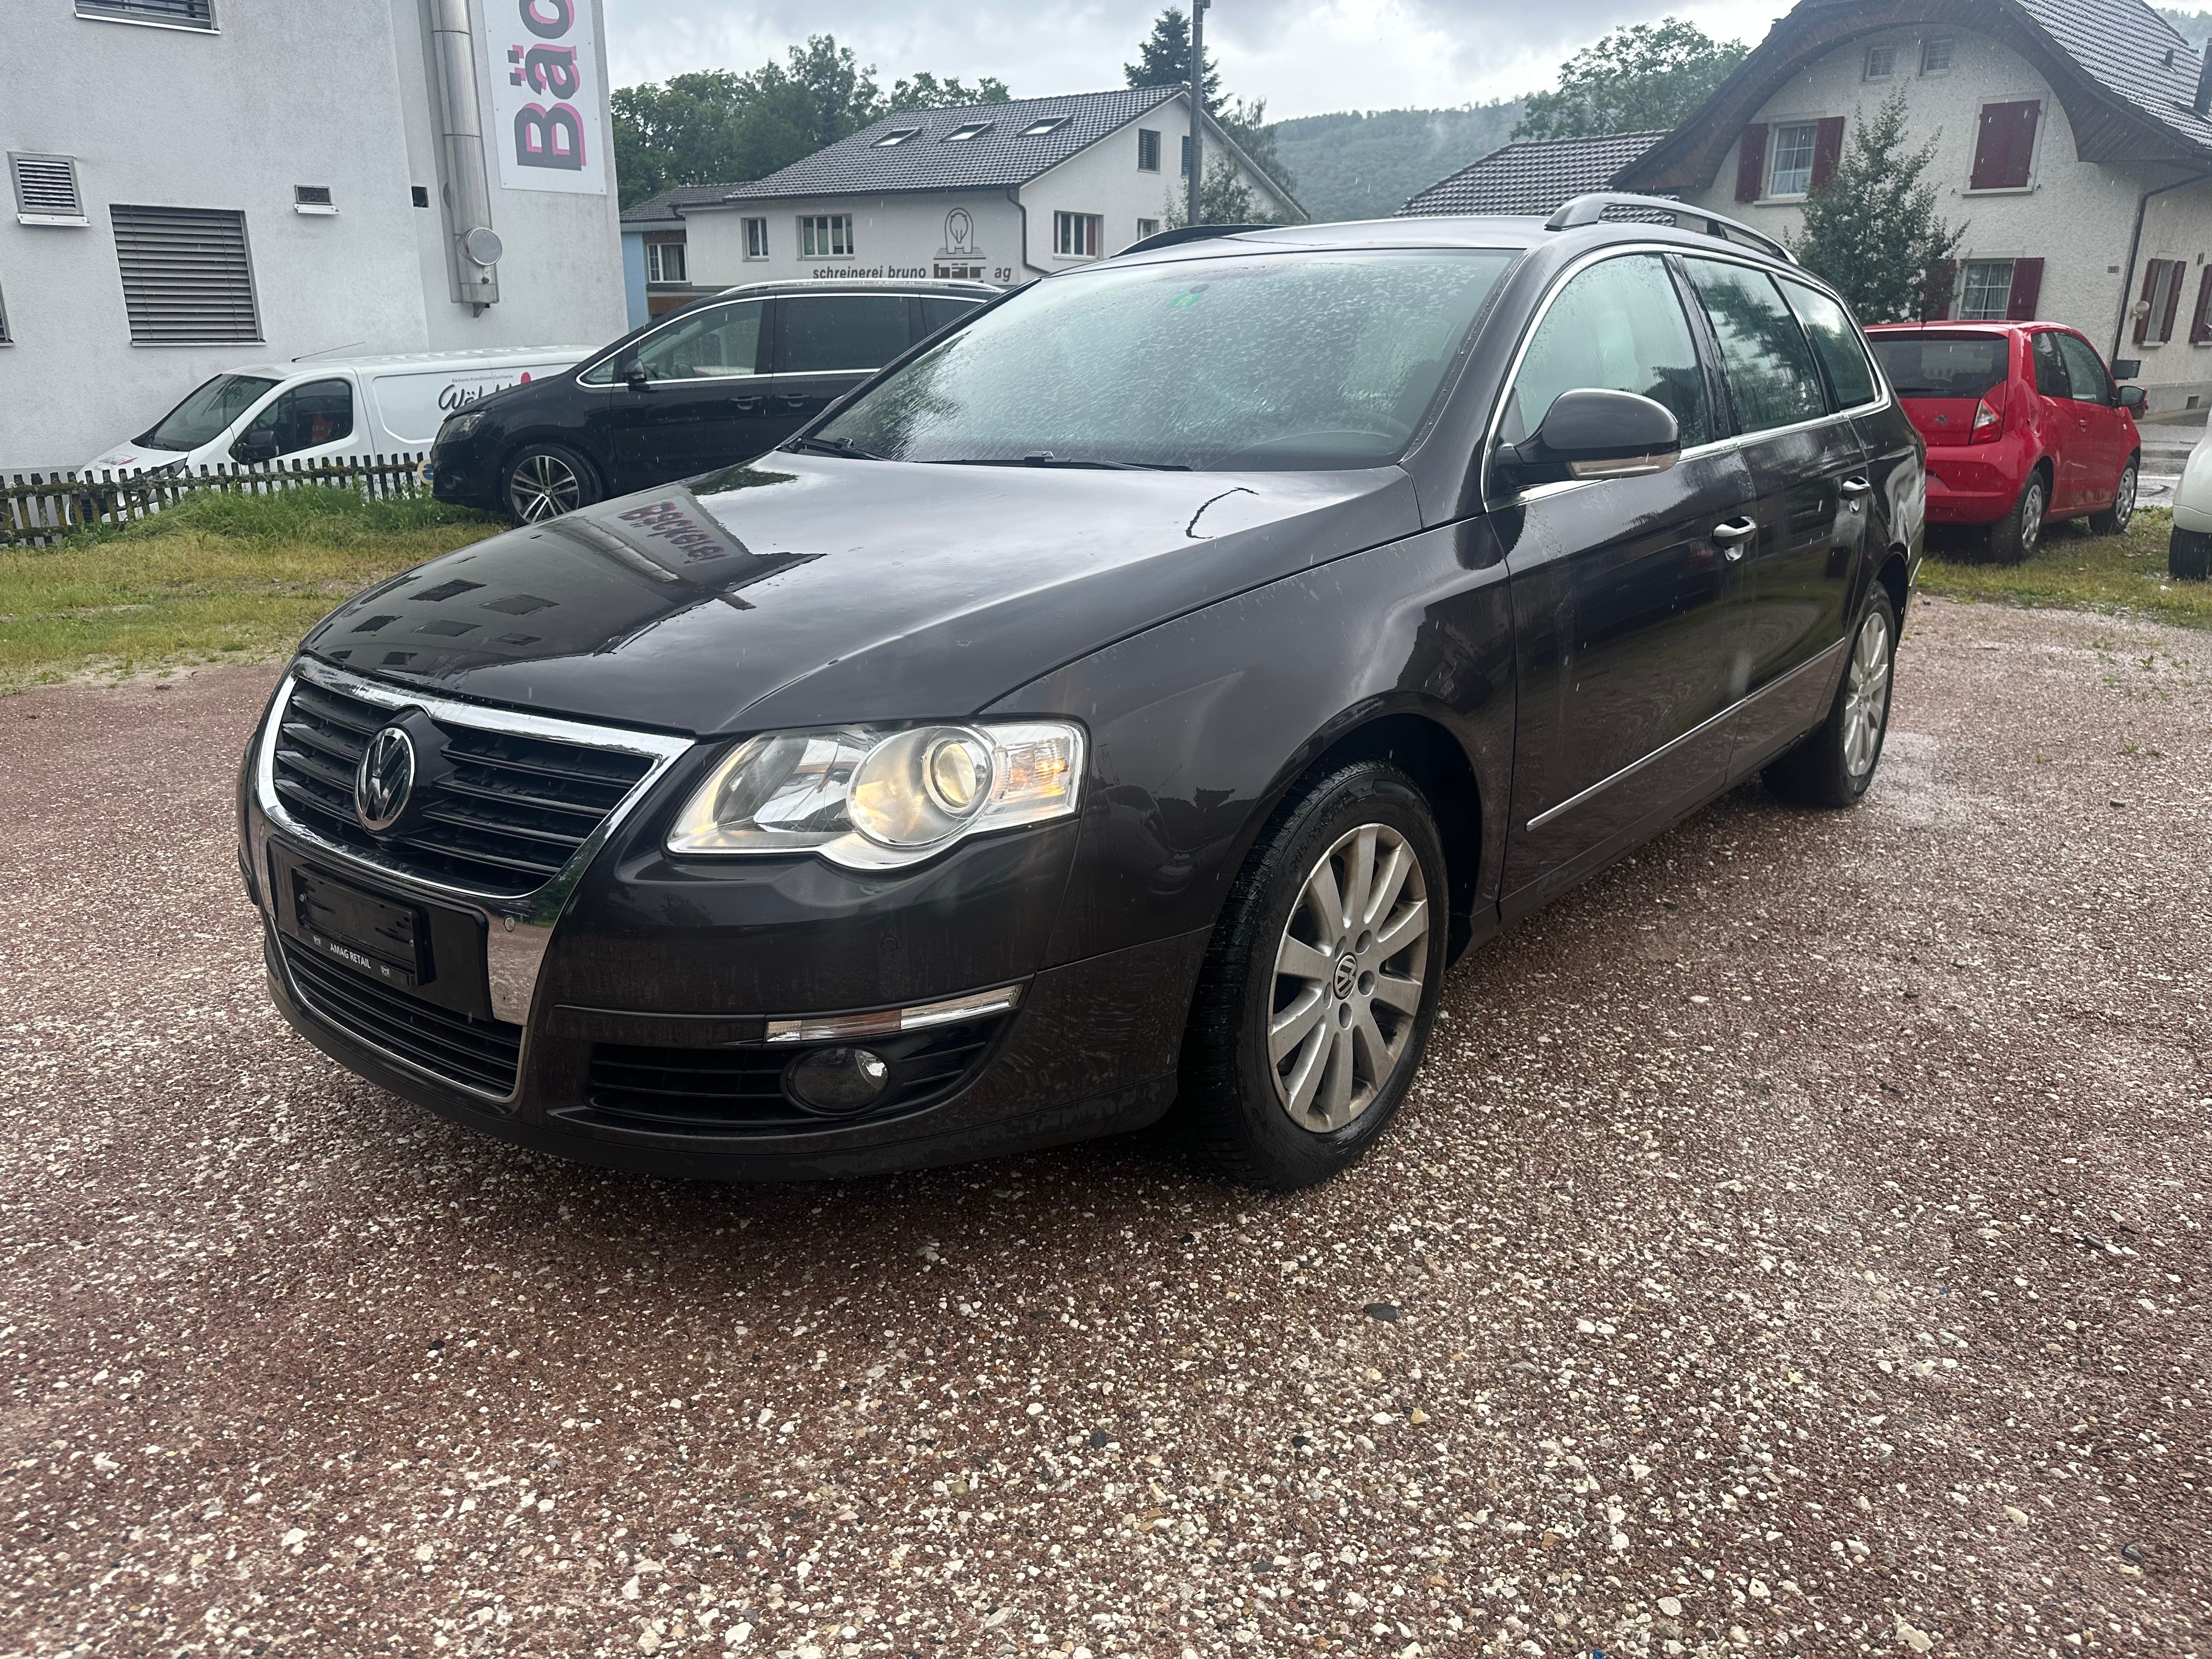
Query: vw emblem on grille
column 384, row 780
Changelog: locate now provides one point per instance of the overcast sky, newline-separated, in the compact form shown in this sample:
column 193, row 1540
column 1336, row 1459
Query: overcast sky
column 1306, row 57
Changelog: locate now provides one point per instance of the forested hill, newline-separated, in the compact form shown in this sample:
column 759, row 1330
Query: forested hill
column 2194, row 26
column 1364, row 165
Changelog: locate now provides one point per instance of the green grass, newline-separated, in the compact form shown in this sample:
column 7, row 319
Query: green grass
column 2123, row 574
column 215, row 577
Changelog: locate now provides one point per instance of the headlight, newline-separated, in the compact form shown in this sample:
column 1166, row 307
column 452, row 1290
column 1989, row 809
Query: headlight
column 460, row 426
column 873, row 797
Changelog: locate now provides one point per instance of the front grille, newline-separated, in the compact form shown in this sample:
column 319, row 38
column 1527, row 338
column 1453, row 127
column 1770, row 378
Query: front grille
column 739, row 1090
column 506, row 819
column 479, row 1054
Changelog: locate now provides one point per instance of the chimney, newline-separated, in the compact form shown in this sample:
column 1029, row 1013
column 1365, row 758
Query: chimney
column 2202, row 102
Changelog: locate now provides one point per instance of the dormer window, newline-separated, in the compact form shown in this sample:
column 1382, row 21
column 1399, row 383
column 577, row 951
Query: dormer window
column 895, row 135
column 960, row 135
column 1038, row 129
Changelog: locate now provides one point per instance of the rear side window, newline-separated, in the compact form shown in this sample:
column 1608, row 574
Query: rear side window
column 1836, row 341
column 1618, row 327
column 824, row 333
column 1768, row 363
column 2085, row 370
column 938, row 314
column 1943, row 365
column 319, row 412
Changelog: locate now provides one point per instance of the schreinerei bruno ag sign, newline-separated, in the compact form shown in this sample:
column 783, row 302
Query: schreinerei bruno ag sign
column 545, row 96
column 960, row 258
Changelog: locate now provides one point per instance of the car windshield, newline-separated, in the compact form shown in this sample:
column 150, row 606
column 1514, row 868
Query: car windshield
column 207, row 414
column 1942, row 365
column 1273, row 362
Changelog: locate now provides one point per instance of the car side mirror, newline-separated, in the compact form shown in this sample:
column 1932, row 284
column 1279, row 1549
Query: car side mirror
column 633, row 375
column 1593, row 433
column 253, row 446
column 2131, row 397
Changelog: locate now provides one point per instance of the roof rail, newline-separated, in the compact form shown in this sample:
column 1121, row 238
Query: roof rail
column 1189, row 234
column 1589, row 209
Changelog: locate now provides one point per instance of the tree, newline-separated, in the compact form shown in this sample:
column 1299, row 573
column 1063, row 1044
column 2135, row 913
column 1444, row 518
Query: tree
column 1163, row 59
column 1645, row 78
column 1223, row 199
column 1872, row 229
column 717, row 127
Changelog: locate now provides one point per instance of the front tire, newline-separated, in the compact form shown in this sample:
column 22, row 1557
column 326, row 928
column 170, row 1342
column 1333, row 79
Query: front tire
column 1320, row 981
column 2114, row 519
column 1833, row 766
column 544, row 481
column 2013, row 538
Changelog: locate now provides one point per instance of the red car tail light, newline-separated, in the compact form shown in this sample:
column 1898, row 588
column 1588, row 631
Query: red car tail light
column 1989, row 417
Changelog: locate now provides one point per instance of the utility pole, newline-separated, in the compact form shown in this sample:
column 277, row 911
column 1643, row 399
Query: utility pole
column 1195, row 183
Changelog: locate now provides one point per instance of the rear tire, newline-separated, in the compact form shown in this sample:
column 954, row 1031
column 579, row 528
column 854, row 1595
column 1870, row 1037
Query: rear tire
column 2114, row 519
column 543, row 481
column 2014, row 538
column 1833, row 766
column 1320, row 981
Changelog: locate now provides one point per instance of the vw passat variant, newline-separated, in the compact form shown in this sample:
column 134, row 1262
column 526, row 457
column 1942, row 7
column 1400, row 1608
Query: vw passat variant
column 1134, row 698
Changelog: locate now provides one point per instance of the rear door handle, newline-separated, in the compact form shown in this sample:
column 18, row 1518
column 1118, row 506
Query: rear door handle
column 1855, row 488
column 1731, row 534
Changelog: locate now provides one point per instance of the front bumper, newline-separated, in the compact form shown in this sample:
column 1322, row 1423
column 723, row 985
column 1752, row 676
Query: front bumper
column 615, row 1015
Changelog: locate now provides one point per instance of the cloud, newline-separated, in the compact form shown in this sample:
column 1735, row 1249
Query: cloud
column 1305, row 57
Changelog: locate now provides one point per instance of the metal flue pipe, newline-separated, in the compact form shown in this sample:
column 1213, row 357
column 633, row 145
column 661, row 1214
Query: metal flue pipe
column 473, row 245
column 1195, row 184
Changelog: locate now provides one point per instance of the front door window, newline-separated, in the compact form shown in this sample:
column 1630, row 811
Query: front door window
column 714, row 344
column 1617, row 327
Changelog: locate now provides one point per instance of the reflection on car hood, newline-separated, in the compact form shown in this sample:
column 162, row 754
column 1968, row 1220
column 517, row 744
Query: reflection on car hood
column 804, row 589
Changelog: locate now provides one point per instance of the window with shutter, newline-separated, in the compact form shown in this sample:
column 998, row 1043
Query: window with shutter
column 2004, row 145
column 186, row 278
column 1751, row 163
column 2170, row 297
column 46, row 190
column 170, row 14
column 2200, row 324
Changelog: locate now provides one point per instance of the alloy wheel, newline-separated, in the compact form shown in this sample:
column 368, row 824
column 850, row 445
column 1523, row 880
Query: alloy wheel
column 2123, row 502
column 1348, row 978
column 543, row 486
column 2031, row 517
column 1866, row 694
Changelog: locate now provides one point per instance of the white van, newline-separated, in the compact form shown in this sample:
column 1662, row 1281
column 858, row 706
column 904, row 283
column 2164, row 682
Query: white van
column 328, row 408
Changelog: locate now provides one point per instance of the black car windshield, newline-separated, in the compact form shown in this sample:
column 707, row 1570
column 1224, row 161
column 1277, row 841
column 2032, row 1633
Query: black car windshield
column 1942, row 365
column 207, row 414
column 1303, row 360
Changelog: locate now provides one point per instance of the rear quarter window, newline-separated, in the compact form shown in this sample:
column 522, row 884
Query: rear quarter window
column 1836, row 341
column 1764, row 351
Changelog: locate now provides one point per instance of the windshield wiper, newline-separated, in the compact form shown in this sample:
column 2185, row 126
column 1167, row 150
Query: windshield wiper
column 844, row 446
column 1047, row 459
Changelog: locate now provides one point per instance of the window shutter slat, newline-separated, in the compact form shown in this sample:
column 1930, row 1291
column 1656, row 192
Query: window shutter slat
column 2149, row 293
column 1751, row 163
column 2172, row 301
column 186, row 278
column 1827, row 150
column 2027, row 289
column 2200, row 325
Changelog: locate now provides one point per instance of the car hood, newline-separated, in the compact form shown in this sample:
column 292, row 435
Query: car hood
column 804, row 589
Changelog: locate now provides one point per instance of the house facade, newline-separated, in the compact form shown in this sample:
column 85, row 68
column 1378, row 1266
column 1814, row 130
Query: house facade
column 200, row 184
column 2071, row 144
column 998, row 193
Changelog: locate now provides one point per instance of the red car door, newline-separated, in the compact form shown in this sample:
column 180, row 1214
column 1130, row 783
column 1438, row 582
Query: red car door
column 2060, row 425
column 2105, row 428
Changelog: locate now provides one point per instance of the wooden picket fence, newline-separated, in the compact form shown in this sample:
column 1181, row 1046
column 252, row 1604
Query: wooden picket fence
column 36, row 509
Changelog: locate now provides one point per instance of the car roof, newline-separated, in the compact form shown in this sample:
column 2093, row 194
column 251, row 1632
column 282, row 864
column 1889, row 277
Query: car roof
column 1979, row 325
column 425, row 361
column 864, row 285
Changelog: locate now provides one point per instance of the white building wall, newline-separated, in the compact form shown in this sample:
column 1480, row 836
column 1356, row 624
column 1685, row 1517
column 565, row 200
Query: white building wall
column 2077, row 216
column 282, row 95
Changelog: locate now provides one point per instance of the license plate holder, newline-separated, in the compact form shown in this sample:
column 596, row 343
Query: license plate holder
column 367, row 932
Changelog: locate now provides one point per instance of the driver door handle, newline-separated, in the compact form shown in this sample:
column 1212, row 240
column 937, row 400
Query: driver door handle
column 1730, row 535
column 1854, row 487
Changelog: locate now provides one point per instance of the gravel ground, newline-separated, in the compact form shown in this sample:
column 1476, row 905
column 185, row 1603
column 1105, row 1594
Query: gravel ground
column 1796, row 1241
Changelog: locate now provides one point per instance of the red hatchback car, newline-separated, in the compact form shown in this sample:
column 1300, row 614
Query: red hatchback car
column 2023, row 424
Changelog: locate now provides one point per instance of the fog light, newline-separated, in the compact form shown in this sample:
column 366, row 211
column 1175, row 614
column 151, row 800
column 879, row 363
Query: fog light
column 837, row 1082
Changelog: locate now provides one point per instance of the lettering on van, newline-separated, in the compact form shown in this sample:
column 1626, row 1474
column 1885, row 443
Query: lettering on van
column 549, row 104
column 455, row 397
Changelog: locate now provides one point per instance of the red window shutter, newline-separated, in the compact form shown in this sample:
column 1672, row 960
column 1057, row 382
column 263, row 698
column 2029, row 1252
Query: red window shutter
column 1827, row 150
column 2151, row 267
column 2200, row 326
column 1751, row 163
column 2004, row 145
column 2026, row 288
column 1936, row 290
column 2172, row 300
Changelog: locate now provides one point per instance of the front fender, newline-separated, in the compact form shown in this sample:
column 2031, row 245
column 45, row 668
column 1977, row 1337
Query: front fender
column 1200, row 726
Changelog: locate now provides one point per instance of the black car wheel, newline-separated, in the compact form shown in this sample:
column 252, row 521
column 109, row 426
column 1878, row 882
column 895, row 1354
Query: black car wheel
column 1834, row 767
column 1320, row 981
column 2114, row 519
column 544, row 481
column 2014, row 537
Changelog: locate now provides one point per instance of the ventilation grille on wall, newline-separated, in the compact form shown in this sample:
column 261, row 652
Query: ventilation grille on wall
column 46, row 190
column 186, row 277
column 177, row 14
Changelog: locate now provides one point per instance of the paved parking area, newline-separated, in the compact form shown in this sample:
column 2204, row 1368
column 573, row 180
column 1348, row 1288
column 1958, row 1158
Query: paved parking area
column 1797, row 1240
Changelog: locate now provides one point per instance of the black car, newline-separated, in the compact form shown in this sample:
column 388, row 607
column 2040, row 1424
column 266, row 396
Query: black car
column 1139, row 695
column 725, row 380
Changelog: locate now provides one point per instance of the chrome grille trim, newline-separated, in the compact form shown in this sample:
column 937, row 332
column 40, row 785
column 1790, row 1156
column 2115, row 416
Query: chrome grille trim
column 518, row 928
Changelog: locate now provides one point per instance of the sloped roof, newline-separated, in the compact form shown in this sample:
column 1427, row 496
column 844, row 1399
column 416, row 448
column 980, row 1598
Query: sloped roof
column 2105, row 59
column 1533, row 177
column 667, row 208
column 997, row 160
